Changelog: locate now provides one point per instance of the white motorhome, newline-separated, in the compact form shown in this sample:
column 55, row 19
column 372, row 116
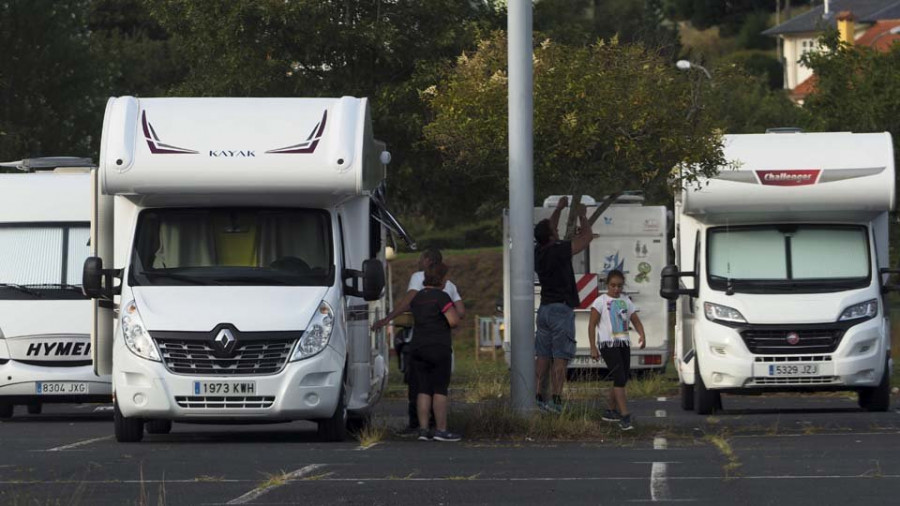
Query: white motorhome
column 45, row 348
column 783, row 270
column 630, row 237
column 247, row 235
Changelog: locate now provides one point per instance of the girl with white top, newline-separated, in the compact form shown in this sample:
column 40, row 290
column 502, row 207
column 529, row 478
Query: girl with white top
column 608, row 331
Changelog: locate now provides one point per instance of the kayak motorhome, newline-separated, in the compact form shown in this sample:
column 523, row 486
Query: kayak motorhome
column 782, row 269
column 45, row 348
column 239, row 262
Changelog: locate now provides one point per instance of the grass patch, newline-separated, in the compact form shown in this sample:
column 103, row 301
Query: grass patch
column 724, row 446
column 370, row 435
column 496, row 420
column 274, row 480
column 651, row 386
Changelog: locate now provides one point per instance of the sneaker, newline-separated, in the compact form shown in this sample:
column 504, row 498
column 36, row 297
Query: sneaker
column 446, row 436
column 611, row 415
column 425, row 435
column 543, row 406
column 555, row 407
column 625, row 423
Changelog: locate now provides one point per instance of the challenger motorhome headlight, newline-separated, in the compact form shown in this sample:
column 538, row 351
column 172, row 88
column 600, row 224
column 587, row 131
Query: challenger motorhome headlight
column 317, row 333
column 136, row 336
column 864, row 310
column 717, row 313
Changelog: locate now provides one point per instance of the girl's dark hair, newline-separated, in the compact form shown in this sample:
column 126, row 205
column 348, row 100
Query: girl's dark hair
column 435, row 274
column 433, row 255
column 615, row 273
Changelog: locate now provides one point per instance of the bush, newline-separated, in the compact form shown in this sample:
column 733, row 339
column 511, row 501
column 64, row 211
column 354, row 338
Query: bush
column 750, row 35
column 473, row 235
column 761, row 64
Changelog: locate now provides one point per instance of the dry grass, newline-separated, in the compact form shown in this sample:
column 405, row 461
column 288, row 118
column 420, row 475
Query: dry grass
column 371, row 434
column 274, row 480
column 724, row 446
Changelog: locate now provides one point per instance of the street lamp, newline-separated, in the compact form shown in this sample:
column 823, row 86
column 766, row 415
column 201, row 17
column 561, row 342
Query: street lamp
column 686, row 65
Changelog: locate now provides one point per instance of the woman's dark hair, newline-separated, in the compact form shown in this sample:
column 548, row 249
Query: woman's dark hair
column 615, row 273
column 433, row 255
column 435, row 274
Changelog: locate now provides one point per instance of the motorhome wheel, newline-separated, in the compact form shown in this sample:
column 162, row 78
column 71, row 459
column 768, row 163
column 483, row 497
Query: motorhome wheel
column 128, row 430
column 878, row 398
column 335, row 428
column 6, row 410
column 687, row 396
column 705, row 401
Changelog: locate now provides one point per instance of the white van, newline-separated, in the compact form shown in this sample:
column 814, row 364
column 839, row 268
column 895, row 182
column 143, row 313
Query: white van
column 783, row 269
column 45, row 348
column 247, row 240
column 630, row 237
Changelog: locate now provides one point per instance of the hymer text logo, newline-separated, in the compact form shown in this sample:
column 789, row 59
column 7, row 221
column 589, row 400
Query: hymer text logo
column 58, row 349
column 225, row 153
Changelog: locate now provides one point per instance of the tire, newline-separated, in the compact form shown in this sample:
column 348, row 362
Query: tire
column 358, row 423
column 128, row 430
column 878, row 398
column 334, row 429
column 158, row 426
column 6, row 411
column 705, row 401
column 34, row 409
column 687, row 396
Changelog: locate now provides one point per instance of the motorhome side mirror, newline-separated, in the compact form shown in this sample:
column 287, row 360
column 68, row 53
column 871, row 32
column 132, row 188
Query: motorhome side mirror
column 669, row 285
column 92, row 277
column 373, row 279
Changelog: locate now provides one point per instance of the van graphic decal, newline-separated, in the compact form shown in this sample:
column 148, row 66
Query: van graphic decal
column 310, row 144
column 157, row 147
column 803, row 177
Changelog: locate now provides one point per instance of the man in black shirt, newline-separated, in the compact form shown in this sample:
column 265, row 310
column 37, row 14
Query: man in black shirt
column 554, row 343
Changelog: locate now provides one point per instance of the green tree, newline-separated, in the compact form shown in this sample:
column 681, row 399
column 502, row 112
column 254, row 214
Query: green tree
column 48, row 80
column 607, row 118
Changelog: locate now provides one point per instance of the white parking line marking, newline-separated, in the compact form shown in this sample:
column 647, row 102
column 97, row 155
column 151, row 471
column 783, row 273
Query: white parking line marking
column 99, row 409
column 258, row 492
column 659, row 486
column 660, row 413
column 661, row 399
column 660, row 443
column 78, row 444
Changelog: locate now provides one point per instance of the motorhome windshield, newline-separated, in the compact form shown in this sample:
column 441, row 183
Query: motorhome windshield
column 795, row 258
column 42, row 260
column 233, row 246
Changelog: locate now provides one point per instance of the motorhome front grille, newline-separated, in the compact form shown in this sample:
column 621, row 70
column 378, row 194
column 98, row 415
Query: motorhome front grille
column 184, row 356
column 788, row 340
column 209, row 402
column 799, row 381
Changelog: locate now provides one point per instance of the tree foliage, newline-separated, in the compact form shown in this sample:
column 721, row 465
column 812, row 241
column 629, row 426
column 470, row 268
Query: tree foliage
column 607, row 118
column 48, row 101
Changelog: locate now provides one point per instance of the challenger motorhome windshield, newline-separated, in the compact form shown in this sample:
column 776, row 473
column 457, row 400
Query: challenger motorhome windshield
column 787, row 257
column 233, row 246
column 42, row 260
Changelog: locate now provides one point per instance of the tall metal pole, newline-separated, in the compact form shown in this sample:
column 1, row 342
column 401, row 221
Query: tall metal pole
column 521, row 204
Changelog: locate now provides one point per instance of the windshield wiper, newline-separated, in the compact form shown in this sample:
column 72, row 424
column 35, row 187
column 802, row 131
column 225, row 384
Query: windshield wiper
column 21, row 288
column 177, row 277
column 255, row 279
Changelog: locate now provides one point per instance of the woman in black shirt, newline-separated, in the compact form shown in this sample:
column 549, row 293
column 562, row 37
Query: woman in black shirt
column 434, row 316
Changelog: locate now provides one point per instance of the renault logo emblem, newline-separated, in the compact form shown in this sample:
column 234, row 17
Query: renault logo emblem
column 225, row 340
column 793, row 338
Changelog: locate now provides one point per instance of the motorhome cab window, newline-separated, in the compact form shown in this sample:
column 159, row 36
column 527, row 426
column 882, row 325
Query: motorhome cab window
column 42, row 261
column 798, row 258
column 237, row 246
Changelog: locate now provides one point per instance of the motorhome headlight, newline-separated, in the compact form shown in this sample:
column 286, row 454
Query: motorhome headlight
column 863, row 310
column 317, row 333
column 136, row 336
column 719, row 313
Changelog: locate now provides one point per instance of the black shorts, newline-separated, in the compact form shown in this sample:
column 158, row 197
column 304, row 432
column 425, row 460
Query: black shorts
column 431, row 365
column 618, row 363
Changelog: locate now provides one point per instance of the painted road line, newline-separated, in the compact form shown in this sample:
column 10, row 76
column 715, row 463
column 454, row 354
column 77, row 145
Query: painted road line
column 660, row 413
column 659, row 484
column 661, row 399
column 660, row 443
column 260, row 491
column 78, row 444
column 100, row 409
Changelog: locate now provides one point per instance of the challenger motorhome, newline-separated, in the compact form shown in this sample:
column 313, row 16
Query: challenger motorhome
column 782, row 270
column 239, row 262
column 45, row 348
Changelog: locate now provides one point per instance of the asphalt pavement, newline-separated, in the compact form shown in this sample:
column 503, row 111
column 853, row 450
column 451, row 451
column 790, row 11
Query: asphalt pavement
column 780, row 449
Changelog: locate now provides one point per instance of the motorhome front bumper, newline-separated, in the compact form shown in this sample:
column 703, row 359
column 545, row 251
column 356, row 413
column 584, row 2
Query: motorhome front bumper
column 303, row 390
column 22, row 383
column 847, row 358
